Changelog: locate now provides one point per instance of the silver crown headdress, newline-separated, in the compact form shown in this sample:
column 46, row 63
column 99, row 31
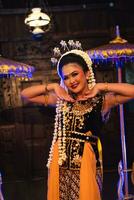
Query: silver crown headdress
column 73, row 47
column 65, row 47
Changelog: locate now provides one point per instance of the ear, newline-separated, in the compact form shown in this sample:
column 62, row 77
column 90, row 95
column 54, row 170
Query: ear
column 87, row 74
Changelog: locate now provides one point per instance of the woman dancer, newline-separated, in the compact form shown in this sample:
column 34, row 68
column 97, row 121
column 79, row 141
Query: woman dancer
column 75, row 161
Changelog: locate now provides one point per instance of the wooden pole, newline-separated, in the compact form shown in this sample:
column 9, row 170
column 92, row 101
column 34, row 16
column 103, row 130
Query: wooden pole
column 123, row 140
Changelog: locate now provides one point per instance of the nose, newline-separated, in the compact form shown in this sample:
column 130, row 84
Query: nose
column 71, row 80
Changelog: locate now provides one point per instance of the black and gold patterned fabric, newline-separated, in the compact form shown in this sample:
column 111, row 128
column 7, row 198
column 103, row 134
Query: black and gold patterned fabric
column 69, row 184
column 83, row 124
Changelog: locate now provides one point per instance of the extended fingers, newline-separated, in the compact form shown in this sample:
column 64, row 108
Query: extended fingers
column 68, row 98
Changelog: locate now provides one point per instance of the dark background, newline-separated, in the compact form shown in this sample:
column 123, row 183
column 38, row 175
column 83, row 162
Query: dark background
column 26, row 129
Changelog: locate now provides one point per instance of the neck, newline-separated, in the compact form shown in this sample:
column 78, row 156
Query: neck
column 80, row 94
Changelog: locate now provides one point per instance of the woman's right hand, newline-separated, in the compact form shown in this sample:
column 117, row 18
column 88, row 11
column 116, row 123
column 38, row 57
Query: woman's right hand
column 60, row 92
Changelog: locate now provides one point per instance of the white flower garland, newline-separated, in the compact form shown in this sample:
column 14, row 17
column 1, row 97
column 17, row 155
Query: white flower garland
column 59, row 133
column 55, row 134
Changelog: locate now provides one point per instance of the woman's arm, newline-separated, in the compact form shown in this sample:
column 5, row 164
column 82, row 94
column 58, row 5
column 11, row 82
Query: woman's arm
column 45, row 94
column 39, row 94
column 116, row 93
column 123, row 89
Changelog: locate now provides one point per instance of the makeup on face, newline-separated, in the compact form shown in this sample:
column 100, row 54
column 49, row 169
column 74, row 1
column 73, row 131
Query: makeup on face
column 73, row 74
column 74, row 78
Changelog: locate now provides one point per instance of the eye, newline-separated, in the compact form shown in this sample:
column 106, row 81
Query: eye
column 75, row 74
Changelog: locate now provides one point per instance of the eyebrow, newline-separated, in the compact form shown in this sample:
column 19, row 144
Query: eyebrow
column 70, row 73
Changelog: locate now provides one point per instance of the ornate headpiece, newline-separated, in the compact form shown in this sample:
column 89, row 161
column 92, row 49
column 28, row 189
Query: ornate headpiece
column 75, row 48
column 64, row 48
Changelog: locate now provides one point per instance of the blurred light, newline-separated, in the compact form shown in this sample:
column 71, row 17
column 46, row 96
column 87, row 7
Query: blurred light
column 37, row 20
column 111, row 4
column 10, row 68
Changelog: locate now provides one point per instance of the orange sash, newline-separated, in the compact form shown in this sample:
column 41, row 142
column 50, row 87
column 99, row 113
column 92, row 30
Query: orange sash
column 88, row 185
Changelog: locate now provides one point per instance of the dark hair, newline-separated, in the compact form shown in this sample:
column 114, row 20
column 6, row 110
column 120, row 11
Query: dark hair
column 72, row 58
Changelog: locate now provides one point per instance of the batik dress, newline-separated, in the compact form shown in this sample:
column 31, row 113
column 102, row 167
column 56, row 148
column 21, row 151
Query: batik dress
column 80, row 175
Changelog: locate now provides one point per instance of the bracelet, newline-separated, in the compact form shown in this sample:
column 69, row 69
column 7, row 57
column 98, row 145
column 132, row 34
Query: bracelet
column 46, row 96
column 106, row 87
column 46, row 90
column 46, row 99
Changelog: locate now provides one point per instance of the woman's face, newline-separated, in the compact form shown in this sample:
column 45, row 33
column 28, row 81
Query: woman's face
column 75, row 79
